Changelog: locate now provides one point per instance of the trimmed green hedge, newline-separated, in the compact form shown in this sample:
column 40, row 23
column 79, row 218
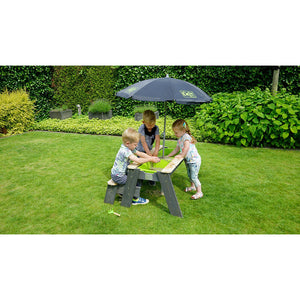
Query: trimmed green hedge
column 37, row 80
column 252, row 118
column 82, row 85
column 71, row 85
column 113, row 126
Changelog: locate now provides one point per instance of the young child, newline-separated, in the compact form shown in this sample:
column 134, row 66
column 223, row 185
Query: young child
column 186, row 146
column 149, row 133
column 127, row 152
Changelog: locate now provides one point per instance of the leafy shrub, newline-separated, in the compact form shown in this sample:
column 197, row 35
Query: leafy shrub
column 252, row 118
column 16, row 111
column 100, row 106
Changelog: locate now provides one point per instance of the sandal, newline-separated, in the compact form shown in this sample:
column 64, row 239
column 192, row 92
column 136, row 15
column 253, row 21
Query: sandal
column 197, row 196
column 189, row 189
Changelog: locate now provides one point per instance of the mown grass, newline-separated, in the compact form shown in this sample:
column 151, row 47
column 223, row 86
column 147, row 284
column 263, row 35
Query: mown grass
column 55, row 183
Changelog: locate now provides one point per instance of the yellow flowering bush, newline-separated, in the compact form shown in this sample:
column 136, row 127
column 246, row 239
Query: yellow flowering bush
column 16, row 112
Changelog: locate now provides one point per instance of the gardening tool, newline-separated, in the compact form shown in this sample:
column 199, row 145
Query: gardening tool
column 112, row 212
column 164, row 90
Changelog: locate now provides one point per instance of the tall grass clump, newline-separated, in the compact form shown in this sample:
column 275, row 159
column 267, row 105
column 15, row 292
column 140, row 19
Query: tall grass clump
column 16, row 112
column 100, row 106
column 253, row 118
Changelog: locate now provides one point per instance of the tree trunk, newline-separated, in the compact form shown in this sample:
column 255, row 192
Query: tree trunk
column 275, row 80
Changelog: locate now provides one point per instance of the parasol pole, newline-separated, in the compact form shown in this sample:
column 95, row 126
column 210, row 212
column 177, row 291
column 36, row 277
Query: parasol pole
column 164, row 140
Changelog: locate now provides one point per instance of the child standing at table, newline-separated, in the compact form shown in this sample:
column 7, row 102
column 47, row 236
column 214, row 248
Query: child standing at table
column 188, row 151
column 149, row 134
column 127, row 152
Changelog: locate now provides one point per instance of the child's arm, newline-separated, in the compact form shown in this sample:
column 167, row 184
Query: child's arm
column 143, row 158
column 157, row 145
column 142, row 154
column 184, row 150
column 174, row 151
column 145, row 146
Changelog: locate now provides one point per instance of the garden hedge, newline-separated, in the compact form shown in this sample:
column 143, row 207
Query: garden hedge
column 114, row 126
column 52, row 86
column 82, row 85
column 36, row 80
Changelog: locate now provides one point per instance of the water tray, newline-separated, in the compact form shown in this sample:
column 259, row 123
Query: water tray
column 152, row 168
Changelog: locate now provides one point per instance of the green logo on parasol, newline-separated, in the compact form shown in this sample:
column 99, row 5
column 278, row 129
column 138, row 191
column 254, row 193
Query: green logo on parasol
column 187, row 94
column 132, row 89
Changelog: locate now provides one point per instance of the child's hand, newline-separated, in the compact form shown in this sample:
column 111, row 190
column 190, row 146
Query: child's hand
column 179, row 156
column 155, row 153
column 155, row 159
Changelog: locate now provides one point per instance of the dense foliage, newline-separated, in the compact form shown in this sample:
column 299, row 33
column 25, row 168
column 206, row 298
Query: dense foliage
column 71, row 85
column 243, row 112
column 16, row 113
column 82, row 85
column 211, row 79
column 252, row 118
column 36, row 80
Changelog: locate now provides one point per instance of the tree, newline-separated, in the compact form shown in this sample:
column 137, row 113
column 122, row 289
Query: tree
column 275, row 80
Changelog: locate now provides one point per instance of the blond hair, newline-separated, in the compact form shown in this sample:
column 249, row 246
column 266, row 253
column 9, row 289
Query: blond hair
column 149, row 117
column 182, row 125
column 130, row 135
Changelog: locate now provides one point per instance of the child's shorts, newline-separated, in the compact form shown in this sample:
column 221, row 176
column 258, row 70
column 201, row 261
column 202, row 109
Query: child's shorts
column 119, row 179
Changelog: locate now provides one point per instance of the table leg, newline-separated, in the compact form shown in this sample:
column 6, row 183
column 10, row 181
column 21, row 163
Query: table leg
column 130, row 186
column 168, row 189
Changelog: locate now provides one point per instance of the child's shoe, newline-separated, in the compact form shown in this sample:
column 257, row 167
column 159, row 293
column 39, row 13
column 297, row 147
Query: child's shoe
column 189, row 189
column 140, row 200
column 197, row 196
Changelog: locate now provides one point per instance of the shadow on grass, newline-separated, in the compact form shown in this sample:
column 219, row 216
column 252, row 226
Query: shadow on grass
column 153, row 193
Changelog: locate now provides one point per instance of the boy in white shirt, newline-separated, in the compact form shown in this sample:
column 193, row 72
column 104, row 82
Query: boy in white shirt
column 127, row 152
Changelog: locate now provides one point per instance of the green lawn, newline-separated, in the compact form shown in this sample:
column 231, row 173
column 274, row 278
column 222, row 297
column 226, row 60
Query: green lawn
column 56, row 182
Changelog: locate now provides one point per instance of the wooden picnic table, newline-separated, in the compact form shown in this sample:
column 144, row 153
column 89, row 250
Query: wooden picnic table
column 163, row 176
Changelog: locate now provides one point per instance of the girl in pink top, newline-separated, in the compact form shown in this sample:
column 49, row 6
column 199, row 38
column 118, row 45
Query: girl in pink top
column 188, row 151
